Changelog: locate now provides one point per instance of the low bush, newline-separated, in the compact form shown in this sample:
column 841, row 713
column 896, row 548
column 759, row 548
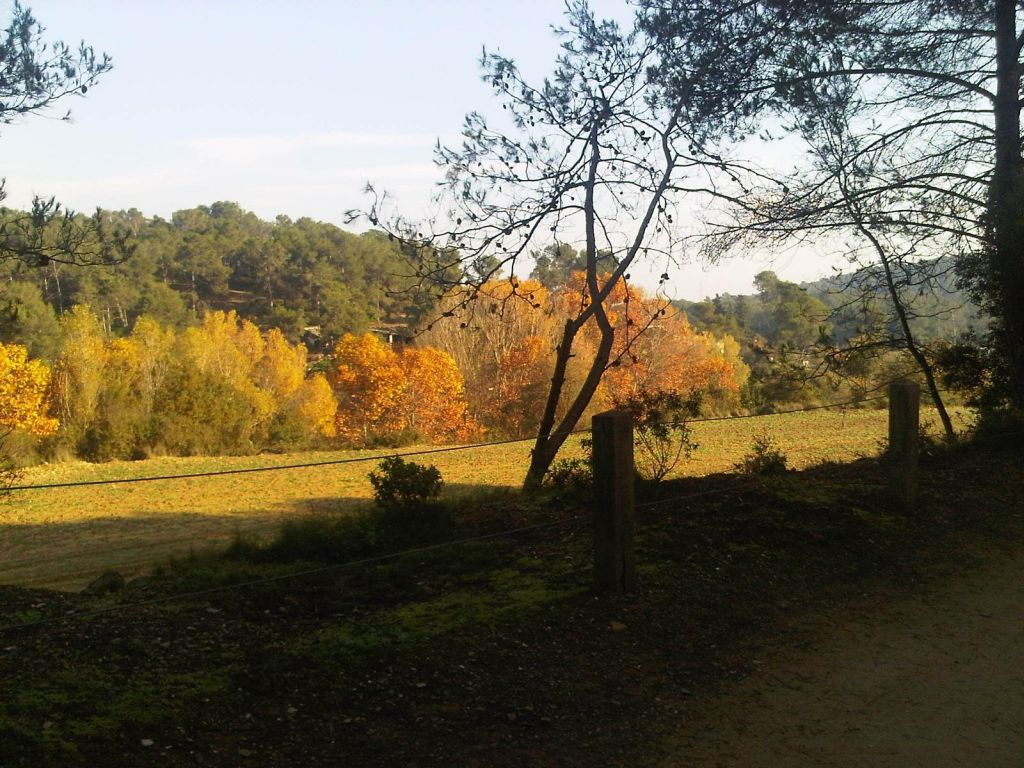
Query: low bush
column 765, row 458
column 399, row 483
column 570, row 476
column 662, row 434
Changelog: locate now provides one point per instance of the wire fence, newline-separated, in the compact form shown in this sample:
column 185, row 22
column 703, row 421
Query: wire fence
column 421, row 452
column 677, row 500
column 168, row 546
column 278, row 467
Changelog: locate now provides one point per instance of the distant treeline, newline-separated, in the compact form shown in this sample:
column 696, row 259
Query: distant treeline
column 283, row 274
column 804, row 342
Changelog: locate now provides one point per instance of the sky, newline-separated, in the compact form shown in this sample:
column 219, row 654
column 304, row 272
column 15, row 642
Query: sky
column 288, row 109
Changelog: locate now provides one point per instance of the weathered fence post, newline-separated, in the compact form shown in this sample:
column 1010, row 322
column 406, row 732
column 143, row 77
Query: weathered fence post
column 614, row 569
column 904, row 416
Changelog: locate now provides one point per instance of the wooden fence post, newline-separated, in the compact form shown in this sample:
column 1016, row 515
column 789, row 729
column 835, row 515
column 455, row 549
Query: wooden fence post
column 904, row 417
column 614, row 568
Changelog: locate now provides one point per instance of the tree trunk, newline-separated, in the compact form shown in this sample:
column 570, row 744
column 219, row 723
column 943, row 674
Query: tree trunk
column 547, row 444
column 542, row 454
column 1005, row 274
column 904, row 320
column 60, row 294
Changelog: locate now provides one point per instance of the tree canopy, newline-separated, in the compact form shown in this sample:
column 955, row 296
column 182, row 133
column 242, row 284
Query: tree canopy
column 35, row 75
column 291, row 275
column 911, row 112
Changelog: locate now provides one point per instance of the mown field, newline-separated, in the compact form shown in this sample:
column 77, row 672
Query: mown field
column 64, row 537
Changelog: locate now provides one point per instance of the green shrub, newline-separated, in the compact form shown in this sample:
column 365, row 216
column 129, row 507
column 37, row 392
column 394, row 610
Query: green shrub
column 351, row 534
column 661, row 431
column 1000, row 426
column 570, row 476
column 400, row 483
column 766, row 458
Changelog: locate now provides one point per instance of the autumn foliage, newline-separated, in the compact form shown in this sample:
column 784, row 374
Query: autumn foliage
column 225, row 386
column 380, row 391
column 506, row 351
column 220, row 387
column 24, row 402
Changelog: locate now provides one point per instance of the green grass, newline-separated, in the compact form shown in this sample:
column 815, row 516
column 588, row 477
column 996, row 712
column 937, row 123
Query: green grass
column 63, row 538
column 487, row 602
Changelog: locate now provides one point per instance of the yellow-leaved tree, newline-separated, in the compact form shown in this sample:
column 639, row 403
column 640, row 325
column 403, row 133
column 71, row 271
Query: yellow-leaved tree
column 24, row 401
column 315, row 406
column 223, row 387
column 24, row 404
column 304, row 406
column 79, row 374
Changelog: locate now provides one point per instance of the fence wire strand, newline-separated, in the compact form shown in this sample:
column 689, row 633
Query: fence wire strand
column 275, row 467
column 423, row 452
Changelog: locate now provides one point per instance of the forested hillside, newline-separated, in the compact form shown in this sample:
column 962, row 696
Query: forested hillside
column 802, row 340
column 198, row 341
column 283, row 274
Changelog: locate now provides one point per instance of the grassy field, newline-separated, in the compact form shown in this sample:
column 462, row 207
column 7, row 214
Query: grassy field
column 63, row 538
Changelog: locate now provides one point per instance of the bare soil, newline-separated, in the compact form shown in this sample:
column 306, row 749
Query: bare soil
column 934, row 678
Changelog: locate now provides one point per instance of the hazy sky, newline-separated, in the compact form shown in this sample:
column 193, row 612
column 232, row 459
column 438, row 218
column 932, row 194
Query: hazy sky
column 284, row 108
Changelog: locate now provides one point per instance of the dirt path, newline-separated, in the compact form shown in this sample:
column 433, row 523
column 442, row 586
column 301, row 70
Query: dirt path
column 934, row 678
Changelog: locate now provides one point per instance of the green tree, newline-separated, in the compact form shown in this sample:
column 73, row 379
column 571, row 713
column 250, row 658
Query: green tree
column 790, row 317
column 26, row 319
column 34, row 76
column 932, row 89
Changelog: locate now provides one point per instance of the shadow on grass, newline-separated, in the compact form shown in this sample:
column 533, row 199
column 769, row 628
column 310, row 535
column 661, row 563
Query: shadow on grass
column 68, row 555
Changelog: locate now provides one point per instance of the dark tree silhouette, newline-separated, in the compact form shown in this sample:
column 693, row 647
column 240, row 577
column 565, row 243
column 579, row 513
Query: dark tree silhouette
column 932, row 86
column 597, row 154
column 34, row 76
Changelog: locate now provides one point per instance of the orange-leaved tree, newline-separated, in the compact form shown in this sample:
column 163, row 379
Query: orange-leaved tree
column 381, row 391
column 671, row 357
column 655, row 349
column 504, row 354
column 368, row 381
column 434, row 401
